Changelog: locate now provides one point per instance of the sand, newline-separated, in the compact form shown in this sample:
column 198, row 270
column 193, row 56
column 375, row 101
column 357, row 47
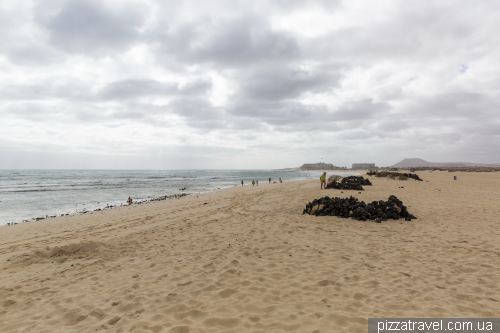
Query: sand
column 247, row 260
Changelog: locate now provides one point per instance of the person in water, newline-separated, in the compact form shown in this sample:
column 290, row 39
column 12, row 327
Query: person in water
column 323, row 180
column 242, row 183
column 129, row 200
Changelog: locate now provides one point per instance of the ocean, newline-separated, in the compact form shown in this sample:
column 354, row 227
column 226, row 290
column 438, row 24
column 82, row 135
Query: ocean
column 29, row 194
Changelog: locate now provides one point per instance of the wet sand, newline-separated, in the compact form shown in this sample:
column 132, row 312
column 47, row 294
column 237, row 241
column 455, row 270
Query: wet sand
column 247, row 260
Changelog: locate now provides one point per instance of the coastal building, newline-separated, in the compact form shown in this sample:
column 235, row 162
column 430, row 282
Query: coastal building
column 363, row 166
column 318, row 166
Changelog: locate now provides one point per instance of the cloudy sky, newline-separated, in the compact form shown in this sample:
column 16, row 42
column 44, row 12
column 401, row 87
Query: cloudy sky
column 247, row 84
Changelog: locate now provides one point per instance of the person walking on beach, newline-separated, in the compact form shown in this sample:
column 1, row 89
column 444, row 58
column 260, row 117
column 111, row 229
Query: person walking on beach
column 242, row 183
column 323, row 180
column 269, row 180
column 253, row 182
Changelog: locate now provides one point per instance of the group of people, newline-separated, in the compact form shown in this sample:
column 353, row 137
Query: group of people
column 322, row 178
column 256, row 182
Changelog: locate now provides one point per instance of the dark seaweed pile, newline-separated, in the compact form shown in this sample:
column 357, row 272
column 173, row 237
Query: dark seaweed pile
column 412, row 176
column 378, row 211
column 394, row 175
column 350, row 183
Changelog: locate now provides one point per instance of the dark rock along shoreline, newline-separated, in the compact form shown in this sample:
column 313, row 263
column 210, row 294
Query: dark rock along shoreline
column 162, row 198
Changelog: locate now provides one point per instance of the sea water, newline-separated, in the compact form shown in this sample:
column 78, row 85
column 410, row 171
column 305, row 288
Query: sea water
column 28, row 194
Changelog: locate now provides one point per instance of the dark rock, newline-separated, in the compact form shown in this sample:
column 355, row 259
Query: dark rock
column 349, row 183
column 381, row 210
column 394, row 175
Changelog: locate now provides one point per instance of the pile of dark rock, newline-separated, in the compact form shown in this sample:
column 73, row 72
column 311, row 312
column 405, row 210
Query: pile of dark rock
column 413, row 176
column 395, row 175
column 350, row 183
column 377, row 211
column 357, row 179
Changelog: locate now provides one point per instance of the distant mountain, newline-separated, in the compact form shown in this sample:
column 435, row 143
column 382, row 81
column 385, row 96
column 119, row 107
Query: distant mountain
column 418, row 162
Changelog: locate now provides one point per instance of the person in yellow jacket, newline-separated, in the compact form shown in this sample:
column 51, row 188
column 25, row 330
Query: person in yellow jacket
column 323, row 180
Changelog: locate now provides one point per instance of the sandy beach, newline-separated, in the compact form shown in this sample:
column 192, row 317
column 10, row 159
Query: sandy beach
column 245, row 259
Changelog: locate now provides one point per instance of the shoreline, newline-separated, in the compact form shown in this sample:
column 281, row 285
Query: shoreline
column 87, row 204
column 139, row 202
column 84, row 211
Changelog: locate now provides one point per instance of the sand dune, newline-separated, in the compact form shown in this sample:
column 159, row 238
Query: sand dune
column 246, row 260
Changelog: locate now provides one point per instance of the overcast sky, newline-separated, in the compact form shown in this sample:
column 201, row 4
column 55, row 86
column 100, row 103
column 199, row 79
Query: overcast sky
column 247, row 84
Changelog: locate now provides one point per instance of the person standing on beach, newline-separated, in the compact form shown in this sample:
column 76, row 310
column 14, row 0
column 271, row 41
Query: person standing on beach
column 269, row 180
column 242, row 183
column 253, row 182
column 280, row 180
column 323, row 180
column 257, row 182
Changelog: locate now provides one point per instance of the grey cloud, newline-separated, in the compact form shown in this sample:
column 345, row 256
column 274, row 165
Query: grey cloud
column 22, row 43
column 33, row 55
column 195, row 86
column 414, row 32
column 28, row 111
column 461, row 104
column 360, row 110
column 228, row 43
column 198, row 113
column 359, row 135
column 282, row 82
column 195, row 108
column 122, row 90
column 91, row 27
column 393, row 125
column 53, row 88
column 307, row 4
column 131, row 89
column 249, row 137
column 299, row 117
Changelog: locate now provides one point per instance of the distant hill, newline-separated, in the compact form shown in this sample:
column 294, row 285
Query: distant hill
column 418, row 162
